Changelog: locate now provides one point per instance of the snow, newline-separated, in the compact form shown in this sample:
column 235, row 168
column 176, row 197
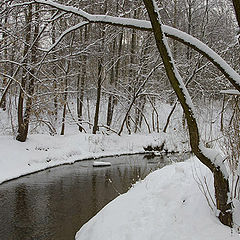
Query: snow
column 230, row 92
column 43, row 151
column 216, row 158
column 167, row 204
column 146, row 25
column 75, row 27
column 185, row 92
column 101, row 164
column 216, row 58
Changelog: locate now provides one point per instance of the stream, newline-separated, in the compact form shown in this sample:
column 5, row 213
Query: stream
column 54, row 204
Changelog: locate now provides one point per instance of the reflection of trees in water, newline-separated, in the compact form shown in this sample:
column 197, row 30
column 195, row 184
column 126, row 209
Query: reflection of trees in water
column 129, row 175
column 22, row 214
column 94, row 194
column 57, row 208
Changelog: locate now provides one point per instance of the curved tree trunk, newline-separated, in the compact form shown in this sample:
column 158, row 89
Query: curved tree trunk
column 203, row 154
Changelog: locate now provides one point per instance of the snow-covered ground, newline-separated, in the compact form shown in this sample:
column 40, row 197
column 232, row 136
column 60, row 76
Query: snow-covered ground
column 43, row 151
column 166, row 205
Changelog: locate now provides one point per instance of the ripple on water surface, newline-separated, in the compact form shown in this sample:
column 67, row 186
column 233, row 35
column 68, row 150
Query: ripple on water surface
column 54, row 204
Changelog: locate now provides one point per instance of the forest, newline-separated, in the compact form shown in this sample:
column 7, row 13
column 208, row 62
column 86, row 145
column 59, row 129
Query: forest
column 53, row 68
column 127, row 67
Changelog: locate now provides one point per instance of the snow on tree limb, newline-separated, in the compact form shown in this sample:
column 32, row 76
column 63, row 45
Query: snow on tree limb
column 209, row 157
column 206, row 51
column 79, row 25
column 145, row 25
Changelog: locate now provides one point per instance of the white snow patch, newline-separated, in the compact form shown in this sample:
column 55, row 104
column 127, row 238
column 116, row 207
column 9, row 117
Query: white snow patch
column 43, row 151
column 101, row 164
column 230, row 92
column 166, row 205
column 216, row 158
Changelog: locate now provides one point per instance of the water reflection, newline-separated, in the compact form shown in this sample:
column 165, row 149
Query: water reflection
column 54, row 204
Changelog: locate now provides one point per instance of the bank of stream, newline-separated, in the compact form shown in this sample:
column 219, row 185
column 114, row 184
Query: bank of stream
column 54, row 204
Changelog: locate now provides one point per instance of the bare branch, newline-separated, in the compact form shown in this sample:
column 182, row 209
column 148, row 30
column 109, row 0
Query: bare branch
column 144, row 25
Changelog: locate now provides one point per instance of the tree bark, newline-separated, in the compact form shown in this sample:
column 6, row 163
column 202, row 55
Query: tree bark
column 220, row 182
column 66, row 72
column 64, row 105
column 236, row 5
column 3, row 106
column 28, row 79
column 22, row 127
column 138, row 112
column 111, row 97
column 54, row 71
column 99, row 87
column 81, row 83
column 81, row 89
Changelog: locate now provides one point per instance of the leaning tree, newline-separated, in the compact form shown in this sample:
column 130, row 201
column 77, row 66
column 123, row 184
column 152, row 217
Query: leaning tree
column 207, row 156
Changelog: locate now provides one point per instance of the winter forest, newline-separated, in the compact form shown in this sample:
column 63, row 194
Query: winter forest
column 88, row 79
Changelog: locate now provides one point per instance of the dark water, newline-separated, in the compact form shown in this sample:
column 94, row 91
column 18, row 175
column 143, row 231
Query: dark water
column 54, row 204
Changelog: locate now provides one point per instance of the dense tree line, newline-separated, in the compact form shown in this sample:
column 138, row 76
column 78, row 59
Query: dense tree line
column 51, row 54
column 46, row 65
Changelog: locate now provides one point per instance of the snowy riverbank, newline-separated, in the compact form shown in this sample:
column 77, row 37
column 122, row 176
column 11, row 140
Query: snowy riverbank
column 166, row 205
column 43, row 151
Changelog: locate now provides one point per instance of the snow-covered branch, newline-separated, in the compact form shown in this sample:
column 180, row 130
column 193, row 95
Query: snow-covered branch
column 75, row 27
column 171, row 32
column 209, row 157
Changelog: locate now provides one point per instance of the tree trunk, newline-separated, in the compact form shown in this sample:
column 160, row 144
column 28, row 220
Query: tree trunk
column 220, row 182
column 110, row 110
column 54, row 71
column 169, row 117
column 110, row 107
column 22, row 128
column 66, row 71
column 131, row 71
column 112, row 101
column 4, row 80
column 24, row 120
column 81, row 89
column 99, row 86
column 64, row 115
column 65, row 101
column 138, row 112
column 153, row 114
column 23, row 131
column 110, row 98
column 236, row 5
column 81, row 82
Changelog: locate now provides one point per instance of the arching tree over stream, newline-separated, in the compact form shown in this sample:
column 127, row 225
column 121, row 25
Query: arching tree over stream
column 209, row 157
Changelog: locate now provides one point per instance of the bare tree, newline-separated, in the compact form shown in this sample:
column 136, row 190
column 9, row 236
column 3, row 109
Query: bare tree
column 160, row 31
column 204, row 155
column 28, row 77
